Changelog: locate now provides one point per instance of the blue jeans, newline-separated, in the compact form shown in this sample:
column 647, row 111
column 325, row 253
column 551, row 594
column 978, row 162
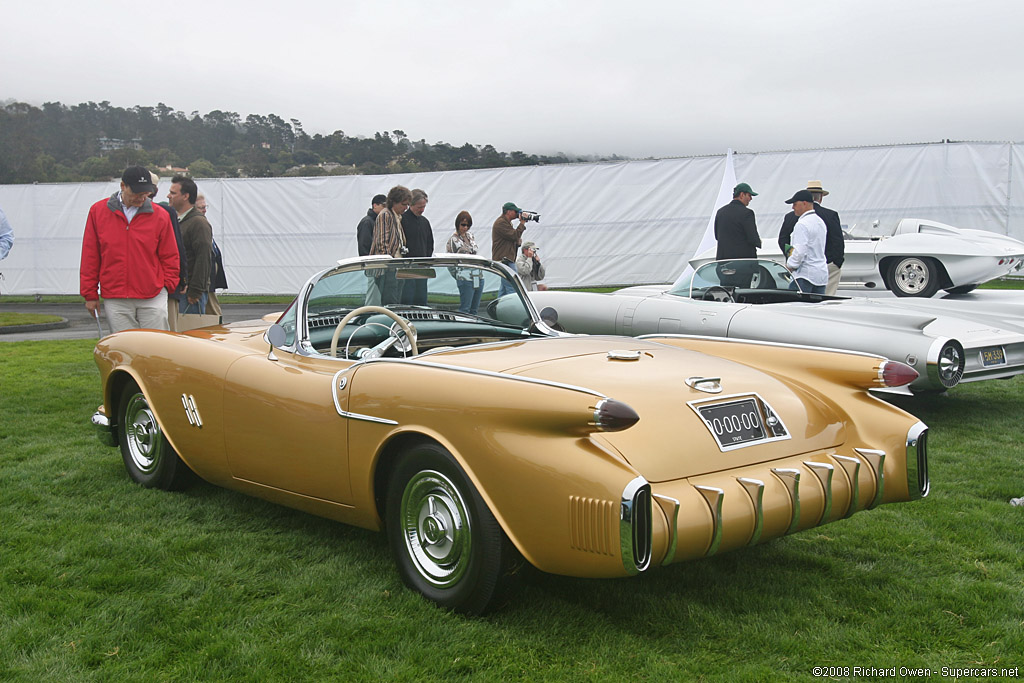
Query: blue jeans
column 469, row 296
column 806, row 286
column 185, row 307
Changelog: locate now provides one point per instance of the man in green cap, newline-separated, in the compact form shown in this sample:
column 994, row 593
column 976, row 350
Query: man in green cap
column 505, row 240
column 736, row 232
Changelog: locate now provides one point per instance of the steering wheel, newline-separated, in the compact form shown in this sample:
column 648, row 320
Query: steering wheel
column 716, row 293
column 410, row 334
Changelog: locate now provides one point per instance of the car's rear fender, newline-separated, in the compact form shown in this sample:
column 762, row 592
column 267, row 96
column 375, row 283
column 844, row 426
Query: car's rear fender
column 523, row 444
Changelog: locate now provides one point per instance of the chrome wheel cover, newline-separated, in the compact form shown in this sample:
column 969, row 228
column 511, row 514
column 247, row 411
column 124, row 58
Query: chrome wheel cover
column 436, row 528
column 142, row 435
column 911, row 276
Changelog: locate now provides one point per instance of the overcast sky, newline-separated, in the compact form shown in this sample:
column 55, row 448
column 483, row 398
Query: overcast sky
column 633, row 77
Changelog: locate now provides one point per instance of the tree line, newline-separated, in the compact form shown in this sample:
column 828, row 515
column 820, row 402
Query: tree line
column 90, row 141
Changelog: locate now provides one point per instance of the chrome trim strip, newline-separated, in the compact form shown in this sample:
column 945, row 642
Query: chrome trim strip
column 104, row 430
column 918, row 483
column 754, row 489
column 335, row 385
column 673, row 523
column 634, row 537
column 876, row 461
column 713, row 497
column 851, row 467
column 790, row 478
column 823, row 471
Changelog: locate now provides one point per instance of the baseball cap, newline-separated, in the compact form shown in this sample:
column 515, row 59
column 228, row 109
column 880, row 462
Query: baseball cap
column 510, row 206
column 743, row 187
column 138, row 179
column 800, row 196
column 529, row 245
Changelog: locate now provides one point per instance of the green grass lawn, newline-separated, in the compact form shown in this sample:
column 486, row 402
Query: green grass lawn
column 8, row 319
column 102, row 580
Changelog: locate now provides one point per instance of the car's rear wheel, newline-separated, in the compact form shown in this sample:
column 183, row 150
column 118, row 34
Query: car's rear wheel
column 148, row 456
column 447, row 544
column 913, row 276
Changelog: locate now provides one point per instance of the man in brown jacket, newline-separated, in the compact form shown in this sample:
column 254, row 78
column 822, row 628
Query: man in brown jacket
column 197, row 239
column 505, row 241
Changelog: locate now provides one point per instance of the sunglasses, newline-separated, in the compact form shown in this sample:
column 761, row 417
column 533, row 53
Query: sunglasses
column 465, row 225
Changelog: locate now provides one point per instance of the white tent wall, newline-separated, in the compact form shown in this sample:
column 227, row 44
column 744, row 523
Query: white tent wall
column 629, row 222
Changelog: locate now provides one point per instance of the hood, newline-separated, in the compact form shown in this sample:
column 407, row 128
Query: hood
column 670, row 441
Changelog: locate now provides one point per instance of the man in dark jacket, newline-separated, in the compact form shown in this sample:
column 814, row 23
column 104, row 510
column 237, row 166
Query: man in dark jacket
column 736, row 232
column 420, row 240
column 197, row 237
column 364, row 231
column 835, row 249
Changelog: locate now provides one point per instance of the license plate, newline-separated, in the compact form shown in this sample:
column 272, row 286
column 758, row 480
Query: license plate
column 993, row 355
column 734, row 423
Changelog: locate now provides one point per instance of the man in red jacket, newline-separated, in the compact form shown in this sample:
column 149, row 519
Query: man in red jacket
column 129, row 256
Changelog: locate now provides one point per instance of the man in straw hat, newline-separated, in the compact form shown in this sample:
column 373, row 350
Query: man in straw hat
column 834, row 247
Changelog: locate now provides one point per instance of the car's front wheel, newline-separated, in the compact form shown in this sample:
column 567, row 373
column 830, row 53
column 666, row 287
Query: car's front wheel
column 148, row 456
column 913, row 276
column 446, row 543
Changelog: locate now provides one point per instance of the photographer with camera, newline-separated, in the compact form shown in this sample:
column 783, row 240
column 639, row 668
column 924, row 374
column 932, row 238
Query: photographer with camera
column 530, row 268
column 505, row 240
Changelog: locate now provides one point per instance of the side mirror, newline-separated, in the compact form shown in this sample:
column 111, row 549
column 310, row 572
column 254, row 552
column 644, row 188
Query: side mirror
column 276, row 335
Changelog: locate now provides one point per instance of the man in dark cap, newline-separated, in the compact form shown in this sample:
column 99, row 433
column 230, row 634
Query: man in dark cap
column 736, row 232
column 805, row 255
column 835, row 248
column 129, row 256
column 364, row 231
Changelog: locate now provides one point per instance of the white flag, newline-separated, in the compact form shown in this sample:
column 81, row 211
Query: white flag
column 724, row 197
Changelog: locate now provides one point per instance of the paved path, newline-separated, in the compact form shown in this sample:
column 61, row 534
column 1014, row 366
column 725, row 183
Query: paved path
column 82, row 326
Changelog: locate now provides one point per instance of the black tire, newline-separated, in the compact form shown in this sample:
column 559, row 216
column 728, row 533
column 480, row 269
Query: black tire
column 962, row 289
column 148, row 456
column 446, row 543
column 913, row 276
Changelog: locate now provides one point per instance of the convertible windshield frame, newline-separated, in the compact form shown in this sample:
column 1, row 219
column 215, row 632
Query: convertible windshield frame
column 354, row 278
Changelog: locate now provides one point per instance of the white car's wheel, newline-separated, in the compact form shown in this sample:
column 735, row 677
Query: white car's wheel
column 913, row 276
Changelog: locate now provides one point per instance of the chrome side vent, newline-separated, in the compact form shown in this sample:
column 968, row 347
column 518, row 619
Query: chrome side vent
column 635, row 515
column 590, row 524
column 918, row 483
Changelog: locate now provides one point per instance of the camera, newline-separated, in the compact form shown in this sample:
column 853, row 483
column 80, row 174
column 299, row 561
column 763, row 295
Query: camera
column 529, row 216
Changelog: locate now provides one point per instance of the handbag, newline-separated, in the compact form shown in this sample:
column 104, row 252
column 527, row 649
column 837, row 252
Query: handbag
column 183, row 322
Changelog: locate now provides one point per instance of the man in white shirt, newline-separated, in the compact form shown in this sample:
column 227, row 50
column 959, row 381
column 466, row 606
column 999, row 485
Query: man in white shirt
column 806, row 254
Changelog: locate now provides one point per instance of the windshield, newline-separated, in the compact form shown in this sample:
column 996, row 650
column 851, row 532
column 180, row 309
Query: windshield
column 448, row 301
column 751, row 275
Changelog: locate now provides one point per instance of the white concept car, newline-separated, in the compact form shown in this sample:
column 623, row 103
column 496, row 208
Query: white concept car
column 918, row 258
column 946, row 341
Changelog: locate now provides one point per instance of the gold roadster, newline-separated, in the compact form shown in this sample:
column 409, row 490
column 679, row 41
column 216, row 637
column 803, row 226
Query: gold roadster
column 427, row 397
